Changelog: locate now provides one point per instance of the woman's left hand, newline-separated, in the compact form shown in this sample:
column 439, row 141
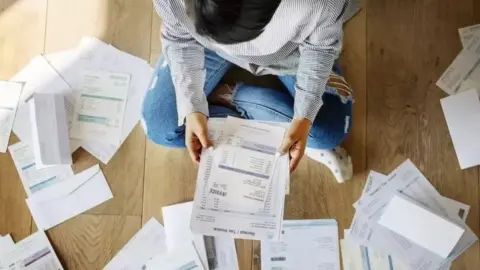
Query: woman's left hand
column 295, row 141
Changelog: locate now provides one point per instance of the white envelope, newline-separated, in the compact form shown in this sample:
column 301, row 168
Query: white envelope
column 65, row 200
column 50, row 138
column 423, row 227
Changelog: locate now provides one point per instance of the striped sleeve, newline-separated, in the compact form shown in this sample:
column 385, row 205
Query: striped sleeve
column 185, row 57
column 317, row 55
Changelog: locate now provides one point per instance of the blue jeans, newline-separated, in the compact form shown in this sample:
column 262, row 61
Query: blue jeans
column 159, row 113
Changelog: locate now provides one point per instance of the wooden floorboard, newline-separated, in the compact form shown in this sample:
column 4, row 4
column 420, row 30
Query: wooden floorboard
column 410, row 44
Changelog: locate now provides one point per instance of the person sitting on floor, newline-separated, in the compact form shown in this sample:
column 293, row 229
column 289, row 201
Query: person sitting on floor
column 297, row 40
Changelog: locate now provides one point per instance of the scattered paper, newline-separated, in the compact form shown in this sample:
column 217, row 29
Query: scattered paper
column 146, row 244
column 100, row 107
column 420, row 225
column 6, row 245
column 35, row 180
column 184, row 257
column 176, row 219
column 304, row 244
column 32, row 253
column 221, row 253
column 9, row 96
column 56, row 204
column 49, row 125
column 467, row 33
column 462, row 113
column 464, row 72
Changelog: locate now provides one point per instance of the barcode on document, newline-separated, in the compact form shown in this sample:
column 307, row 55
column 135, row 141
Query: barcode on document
column 278, row 259
column 218, row 192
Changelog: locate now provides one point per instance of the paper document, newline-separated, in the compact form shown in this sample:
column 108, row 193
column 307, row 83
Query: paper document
column 6, row 245
column 467, row 33
column 35, row 180
column 176, row 219
column 464, row 72
column 38, row 77
column 49, row 125
column 32, row 253
column 215, row 217
column 244, row 161
column 184, row 257
column 304, row 244
column 146, row 244
column 221, row 253
column 56, row 204
column 462, row 113
column 421, row 226
column 100, row 107
column 409, row 181
column 9, row 96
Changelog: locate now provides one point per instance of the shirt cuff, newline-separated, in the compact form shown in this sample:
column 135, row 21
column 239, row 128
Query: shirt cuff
column 186, row 109
column 307, row 105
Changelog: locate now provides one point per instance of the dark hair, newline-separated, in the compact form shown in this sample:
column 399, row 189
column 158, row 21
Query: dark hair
column 233, row 21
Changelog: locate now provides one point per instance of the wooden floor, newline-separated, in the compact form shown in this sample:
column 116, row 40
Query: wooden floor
column 395, row 50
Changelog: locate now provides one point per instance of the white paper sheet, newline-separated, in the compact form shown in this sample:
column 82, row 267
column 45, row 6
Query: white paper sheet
column 49, row 125
column 305, row 244
column 244, row 161
column 184, row 257
column 65, row 200
column 464, row 72
column 6, row 245
column 467, row 33
column 34, row 180
column 462, row 113
column 221, row 253
column 420, row 225
column 146, row 244
column 9, row 96
column 408, row 180
column 100, row 107
column 176, row 219
column 32, row 253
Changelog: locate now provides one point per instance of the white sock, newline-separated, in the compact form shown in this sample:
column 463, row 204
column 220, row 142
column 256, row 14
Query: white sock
column 337, row 160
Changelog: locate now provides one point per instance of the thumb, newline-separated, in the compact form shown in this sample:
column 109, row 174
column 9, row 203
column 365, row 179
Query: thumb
column 286, row 145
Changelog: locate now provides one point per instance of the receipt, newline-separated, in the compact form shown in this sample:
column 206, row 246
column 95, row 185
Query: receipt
column 9, row 96
column 244, row 161
column 100, row 107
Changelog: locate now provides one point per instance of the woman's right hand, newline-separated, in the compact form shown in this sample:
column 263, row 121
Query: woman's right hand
column 196, row 135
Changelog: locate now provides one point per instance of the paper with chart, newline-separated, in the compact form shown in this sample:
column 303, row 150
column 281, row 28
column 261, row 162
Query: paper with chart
column 408, row 180
column 212, row 216
column 244, row 161
column 462, row 114
column 304, row 244
column 100, row 107
column 146, row 244
column 32, row 253
column 65, row 200
column 464, row 72
column 183, row 257
column 35, row 180
column 9, row 97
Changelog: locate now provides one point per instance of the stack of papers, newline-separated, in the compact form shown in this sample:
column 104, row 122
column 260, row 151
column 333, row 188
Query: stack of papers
column 461, row 80
column 403, row 216
column 102, row 88
column 33, row 253
column 304, row 244
column 240, row 190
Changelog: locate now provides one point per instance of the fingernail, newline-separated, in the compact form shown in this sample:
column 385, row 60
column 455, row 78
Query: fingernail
column 210, row 148
column 278, row 154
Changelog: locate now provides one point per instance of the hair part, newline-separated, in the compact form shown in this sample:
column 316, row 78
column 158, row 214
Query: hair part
column 233, row 21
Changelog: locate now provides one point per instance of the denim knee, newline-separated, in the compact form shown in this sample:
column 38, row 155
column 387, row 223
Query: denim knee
column 162, row 131
column 325, row 136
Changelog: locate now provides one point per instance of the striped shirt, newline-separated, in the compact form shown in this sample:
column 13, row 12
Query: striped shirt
column 304, row 38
